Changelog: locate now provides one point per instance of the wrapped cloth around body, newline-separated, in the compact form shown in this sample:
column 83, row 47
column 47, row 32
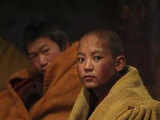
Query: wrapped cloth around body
column 128, row 99
column 60, row 89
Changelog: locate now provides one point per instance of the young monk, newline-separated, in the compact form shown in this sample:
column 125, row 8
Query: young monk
column 112, row 89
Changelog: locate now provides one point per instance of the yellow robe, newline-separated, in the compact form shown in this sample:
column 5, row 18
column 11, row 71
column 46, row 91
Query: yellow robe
column 128, row 99
column 61, row 87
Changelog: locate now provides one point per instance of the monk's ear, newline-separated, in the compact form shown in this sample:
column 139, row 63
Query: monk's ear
column 120, row 62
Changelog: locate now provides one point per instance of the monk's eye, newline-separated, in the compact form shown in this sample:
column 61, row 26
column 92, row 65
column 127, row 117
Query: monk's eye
column 80, row 59
column 32, row 56
column 45, row 51
column 97, row 58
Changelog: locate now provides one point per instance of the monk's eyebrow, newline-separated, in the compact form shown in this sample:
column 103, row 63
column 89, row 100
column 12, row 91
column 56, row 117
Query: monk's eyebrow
column 31, row 53
column 42, row 47
column 95, row 52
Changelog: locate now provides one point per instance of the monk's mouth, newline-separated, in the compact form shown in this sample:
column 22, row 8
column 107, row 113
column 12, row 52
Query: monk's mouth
column 44, row 69
column 89, row 78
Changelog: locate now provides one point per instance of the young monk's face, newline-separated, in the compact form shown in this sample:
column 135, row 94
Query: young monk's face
column 96, row 64
column 42, row 52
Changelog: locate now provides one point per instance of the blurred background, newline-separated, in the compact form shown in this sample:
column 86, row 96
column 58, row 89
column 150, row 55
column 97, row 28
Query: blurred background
column 137, row 22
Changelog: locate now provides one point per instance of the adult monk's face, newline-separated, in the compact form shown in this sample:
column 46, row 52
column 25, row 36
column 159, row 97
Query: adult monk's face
column 42, row 52
column 96, row 64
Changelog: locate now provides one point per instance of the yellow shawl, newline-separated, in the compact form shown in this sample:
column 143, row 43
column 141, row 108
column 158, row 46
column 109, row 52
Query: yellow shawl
column 128, row 99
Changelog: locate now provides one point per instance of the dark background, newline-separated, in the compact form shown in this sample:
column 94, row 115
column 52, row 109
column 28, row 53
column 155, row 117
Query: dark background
column 137, row 22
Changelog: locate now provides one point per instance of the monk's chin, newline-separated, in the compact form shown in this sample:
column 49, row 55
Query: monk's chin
column 90, row 85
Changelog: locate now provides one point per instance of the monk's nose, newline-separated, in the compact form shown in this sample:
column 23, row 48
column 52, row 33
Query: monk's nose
column 43, row 61
column 88, row 66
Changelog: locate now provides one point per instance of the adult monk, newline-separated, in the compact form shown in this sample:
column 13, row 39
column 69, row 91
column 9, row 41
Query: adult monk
column 112, row 89
column 30, row 95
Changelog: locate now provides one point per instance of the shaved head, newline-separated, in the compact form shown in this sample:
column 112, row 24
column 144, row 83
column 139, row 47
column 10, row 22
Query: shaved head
column 109, row 39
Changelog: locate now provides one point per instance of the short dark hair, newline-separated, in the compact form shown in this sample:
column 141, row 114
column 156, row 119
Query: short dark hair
column 54, row 32
column 115, row 43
